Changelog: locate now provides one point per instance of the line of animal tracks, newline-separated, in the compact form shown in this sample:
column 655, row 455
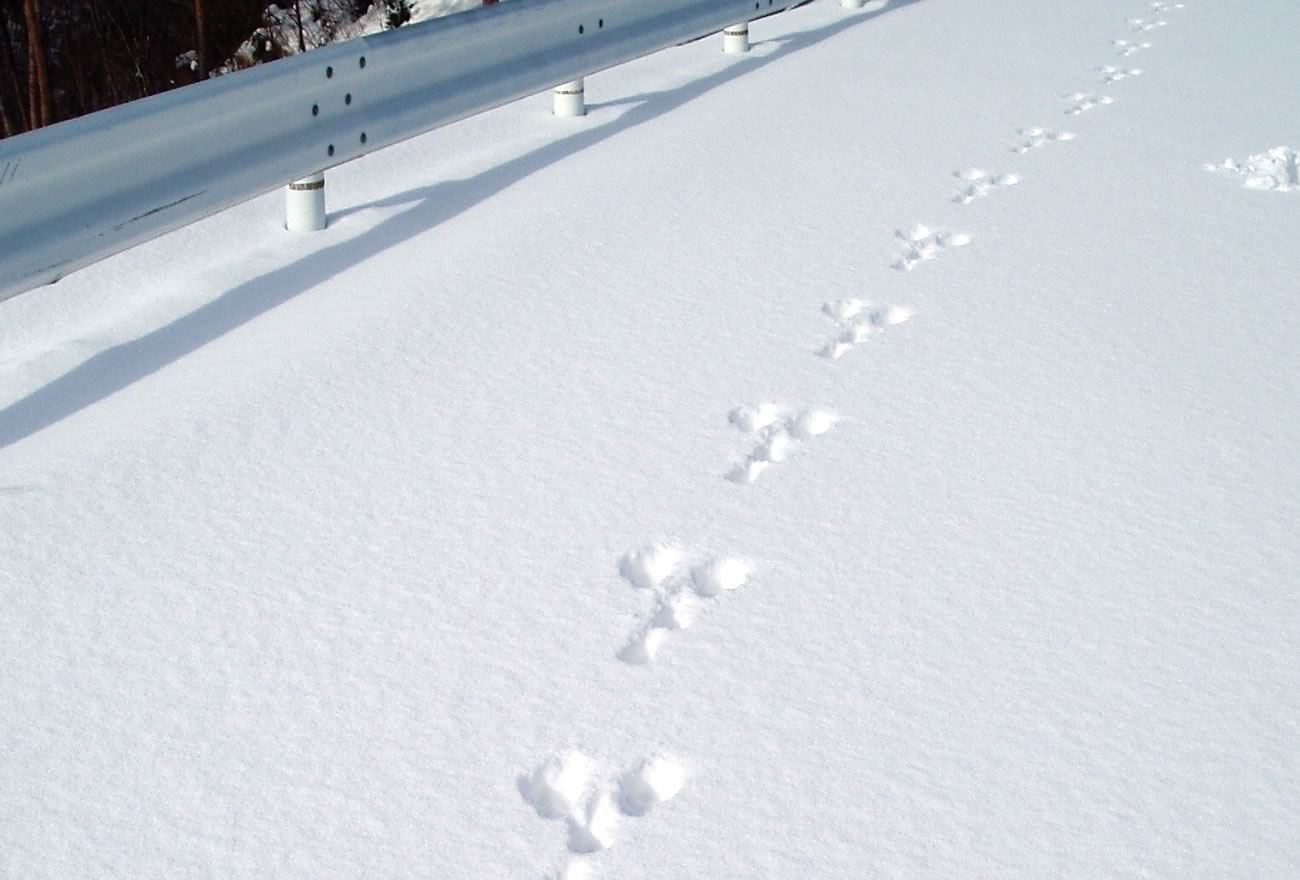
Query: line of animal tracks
column 592, row 806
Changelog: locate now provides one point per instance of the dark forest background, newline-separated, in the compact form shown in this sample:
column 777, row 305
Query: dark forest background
column 64, row 58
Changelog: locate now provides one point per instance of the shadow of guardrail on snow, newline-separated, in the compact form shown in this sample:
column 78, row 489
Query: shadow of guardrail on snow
column 118, row 367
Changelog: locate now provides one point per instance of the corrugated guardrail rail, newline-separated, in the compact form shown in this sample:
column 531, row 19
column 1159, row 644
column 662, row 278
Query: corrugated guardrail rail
column 82, row 190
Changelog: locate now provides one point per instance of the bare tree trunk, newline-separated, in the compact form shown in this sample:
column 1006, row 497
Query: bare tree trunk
column 201, row 26
column 38, row 73
column 5, row 77
column 5, row 124
column 297, row 12
column 33, row 90
column 10, row 75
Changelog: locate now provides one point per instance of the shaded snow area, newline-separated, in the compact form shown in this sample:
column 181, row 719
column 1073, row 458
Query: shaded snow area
column 874, row 456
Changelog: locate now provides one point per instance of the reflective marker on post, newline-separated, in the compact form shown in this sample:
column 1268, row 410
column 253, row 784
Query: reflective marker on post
column 304, row 204
column 571, row 99
column 735, row 39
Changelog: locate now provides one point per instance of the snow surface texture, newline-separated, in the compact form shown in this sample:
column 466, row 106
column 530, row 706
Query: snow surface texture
column 407, row 549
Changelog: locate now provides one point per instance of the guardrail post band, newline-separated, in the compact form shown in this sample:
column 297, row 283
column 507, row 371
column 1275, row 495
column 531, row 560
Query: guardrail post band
column 571, row 99
column 735, row 39
column 304, row 204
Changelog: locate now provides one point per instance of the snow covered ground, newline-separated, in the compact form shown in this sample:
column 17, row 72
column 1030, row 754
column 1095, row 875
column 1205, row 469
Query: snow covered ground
column 649, row 495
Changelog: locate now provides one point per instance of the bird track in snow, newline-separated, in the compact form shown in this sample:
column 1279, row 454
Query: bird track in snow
column 858, row 321
column 779, row 432
column 919, row 244
column 681, row 585
column 566, row 787
column 1112, row 74
column 1125, row 48
column 1083, row 102
column 1142, row 25
column 1037, row 137
column 979, row 183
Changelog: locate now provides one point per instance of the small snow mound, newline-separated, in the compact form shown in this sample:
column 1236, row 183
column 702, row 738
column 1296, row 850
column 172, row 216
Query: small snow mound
column 834, row 350
column 1007, row 180
column 814, row 423
column 676, row 613
column 654, row 781
column 918, row 233
column 648, row 567
column 970, row 175
column 774, row 449
column 642, row 647
column 574, row 870
column 955, row 239
column 844, row 309
column 554, row 788
column 1276, row 170
column 748, row 472
column 594, row 830
column 860, row 332
column 891, row 316
column 720, row 576
column 1062, row 136
column 750, row 419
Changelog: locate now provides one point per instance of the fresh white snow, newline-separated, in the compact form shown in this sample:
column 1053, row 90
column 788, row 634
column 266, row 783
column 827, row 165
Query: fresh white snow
column 435, row 544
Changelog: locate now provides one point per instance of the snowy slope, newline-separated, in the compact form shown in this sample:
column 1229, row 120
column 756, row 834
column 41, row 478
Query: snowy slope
column 347, row 554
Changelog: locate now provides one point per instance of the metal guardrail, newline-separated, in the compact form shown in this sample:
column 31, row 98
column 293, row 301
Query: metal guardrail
column 82, row 190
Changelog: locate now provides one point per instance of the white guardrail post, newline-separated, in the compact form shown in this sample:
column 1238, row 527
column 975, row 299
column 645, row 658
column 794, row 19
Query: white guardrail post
column 570, row 99
column 304, row 204
column 735, row 39
column 82, row 190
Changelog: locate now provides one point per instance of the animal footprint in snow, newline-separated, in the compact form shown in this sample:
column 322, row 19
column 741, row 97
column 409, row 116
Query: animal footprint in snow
column 1277, row 169
column 576, row 869
column 649, row 784
column 1112, row 74
column 556, row 786
column 592, row 828
column 1036, row 137
column 1125, row 48
column 1142, row 25
column 564, row 787
column 1083, row 102
column 681, row 588
column 921, row 243
column 858, row 322
column 778, row 434
column 980, row 183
